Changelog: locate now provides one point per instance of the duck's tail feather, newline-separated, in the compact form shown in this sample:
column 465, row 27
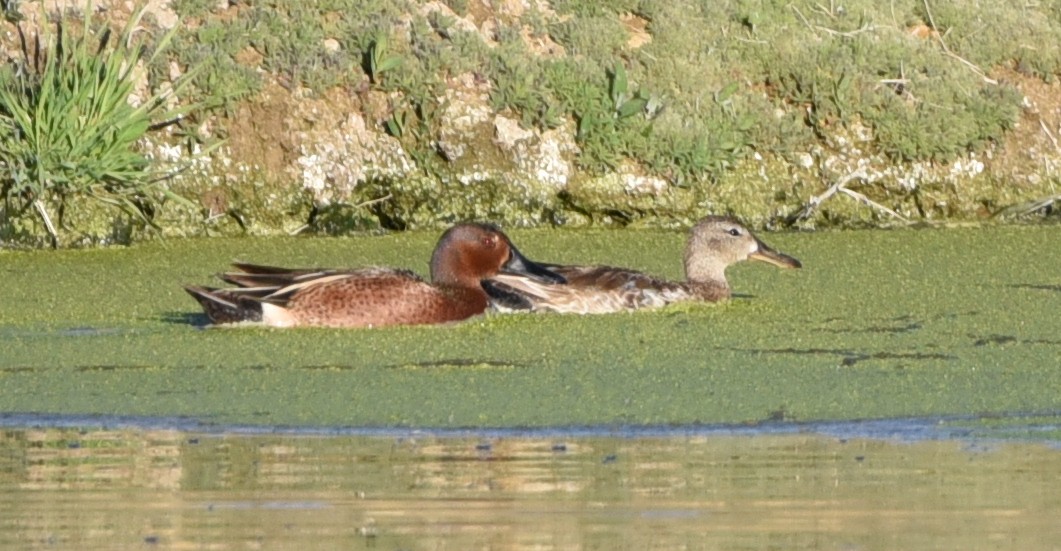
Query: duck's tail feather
column 259, row 276
column 228, row 305
column 263, row 269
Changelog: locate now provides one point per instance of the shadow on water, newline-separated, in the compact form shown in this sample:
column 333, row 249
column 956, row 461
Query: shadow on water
column 111, row 368
column 63, row 332
column 985, row 340
column 1042, row 427
column 904, row 328
column 851, row 357
column 194, row 319
column 1037, row 287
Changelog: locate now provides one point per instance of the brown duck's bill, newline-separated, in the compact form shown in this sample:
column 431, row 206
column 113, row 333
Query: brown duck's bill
column 770, row 256
column 517, row 264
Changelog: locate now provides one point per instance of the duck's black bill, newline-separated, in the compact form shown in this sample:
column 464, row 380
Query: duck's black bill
column 518, row 264
column 770, row 256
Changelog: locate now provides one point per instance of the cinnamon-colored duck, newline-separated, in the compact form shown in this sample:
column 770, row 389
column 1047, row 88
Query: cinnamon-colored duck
column 374, row 297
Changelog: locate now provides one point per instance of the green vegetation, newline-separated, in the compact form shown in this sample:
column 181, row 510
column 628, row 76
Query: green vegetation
column 286, row 39
column 68, row 132
column 713, row 83
column 921, row 103
column 694, row 93
column 213, row 45
column 721, row 69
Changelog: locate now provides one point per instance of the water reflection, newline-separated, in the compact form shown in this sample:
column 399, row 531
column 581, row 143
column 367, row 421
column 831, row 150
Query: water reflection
column 118, row 489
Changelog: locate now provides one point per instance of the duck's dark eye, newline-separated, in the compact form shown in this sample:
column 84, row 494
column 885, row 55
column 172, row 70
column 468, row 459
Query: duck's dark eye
column 734, row 232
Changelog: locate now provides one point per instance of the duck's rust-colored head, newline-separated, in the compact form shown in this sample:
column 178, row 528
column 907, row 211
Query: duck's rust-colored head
column 470, row 252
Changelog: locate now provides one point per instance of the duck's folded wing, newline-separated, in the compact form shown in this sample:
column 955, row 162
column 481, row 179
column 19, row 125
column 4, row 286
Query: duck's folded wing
column 581, row 295
column 589, row 290
column 277, row 285
column 606, row 278
column 259, row 276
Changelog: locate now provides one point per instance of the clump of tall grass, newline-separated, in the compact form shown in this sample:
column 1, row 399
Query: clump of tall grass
column 68, row 131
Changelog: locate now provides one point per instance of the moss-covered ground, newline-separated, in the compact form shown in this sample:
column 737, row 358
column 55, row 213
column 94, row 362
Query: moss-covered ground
column 334, row 116
column 878, row 324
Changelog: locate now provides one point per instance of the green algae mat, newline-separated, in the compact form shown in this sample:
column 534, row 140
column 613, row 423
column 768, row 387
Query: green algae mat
column 878, row 324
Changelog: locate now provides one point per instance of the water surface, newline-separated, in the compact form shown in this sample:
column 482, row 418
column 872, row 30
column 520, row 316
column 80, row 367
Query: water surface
column 166, row 489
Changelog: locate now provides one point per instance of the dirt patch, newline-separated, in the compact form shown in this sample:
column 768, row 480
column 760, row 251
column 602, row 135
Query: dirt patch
column 637, row 28
column 1036, row 139
column 117, row 11
column 260, row 132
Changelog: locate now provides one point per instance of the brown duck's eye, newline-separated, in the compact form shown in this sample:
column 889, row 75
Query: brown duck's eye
column 489, row 241
column 734, row 232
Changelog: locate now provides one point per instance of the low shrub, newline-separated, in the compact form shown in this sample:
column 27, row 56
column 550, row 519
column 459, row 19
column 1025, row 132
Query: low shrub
column 68, row 131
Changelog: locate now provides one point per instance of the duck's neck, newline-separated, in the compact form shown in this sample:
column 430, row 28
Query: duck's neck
column 706, row 276
column 710, row 291
column 703, row 269
column 707, row 280
column 474, row 300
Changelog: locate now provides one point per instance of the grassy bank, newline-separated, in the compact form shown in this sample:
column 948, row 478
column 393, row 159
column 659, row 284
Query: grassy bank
column 343, row 115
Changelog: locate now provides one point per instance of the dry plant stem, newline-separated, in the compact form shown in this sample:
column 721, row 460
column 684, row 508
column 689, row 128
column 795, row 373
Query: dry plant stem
column 373, row 201
column 939, row 37
column 1024, row 209
column 47, row 222
column 866, row 27
column 1048, row 133
column 871, row 203
column 815, row 202
column 299, row 229
column 213, row 217
column 841, row 187
column 804, row 19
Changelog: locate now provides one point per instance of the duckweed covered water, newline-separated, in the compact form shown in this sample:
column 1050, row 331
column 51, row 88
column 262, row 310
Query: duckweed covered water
column 878, row 324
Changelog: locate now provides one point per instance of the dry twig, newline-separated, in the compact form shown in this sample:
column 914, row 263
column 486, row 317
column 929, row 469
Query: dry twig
column 1026, row 208
column 370, row 202
column 37, row 204
column 840, row 187
column 871, row 203
column 866, row 27
column 373, row 201
column 939, row 37
column 1048, row 133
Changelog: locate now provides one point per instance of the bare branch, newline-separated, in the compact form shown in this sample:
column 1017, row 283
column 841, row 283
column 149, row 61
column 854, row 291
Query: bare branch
column 866, row 27
column 841, row 187
column 1026, row 208
column 812, row 204
column 869, row 202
